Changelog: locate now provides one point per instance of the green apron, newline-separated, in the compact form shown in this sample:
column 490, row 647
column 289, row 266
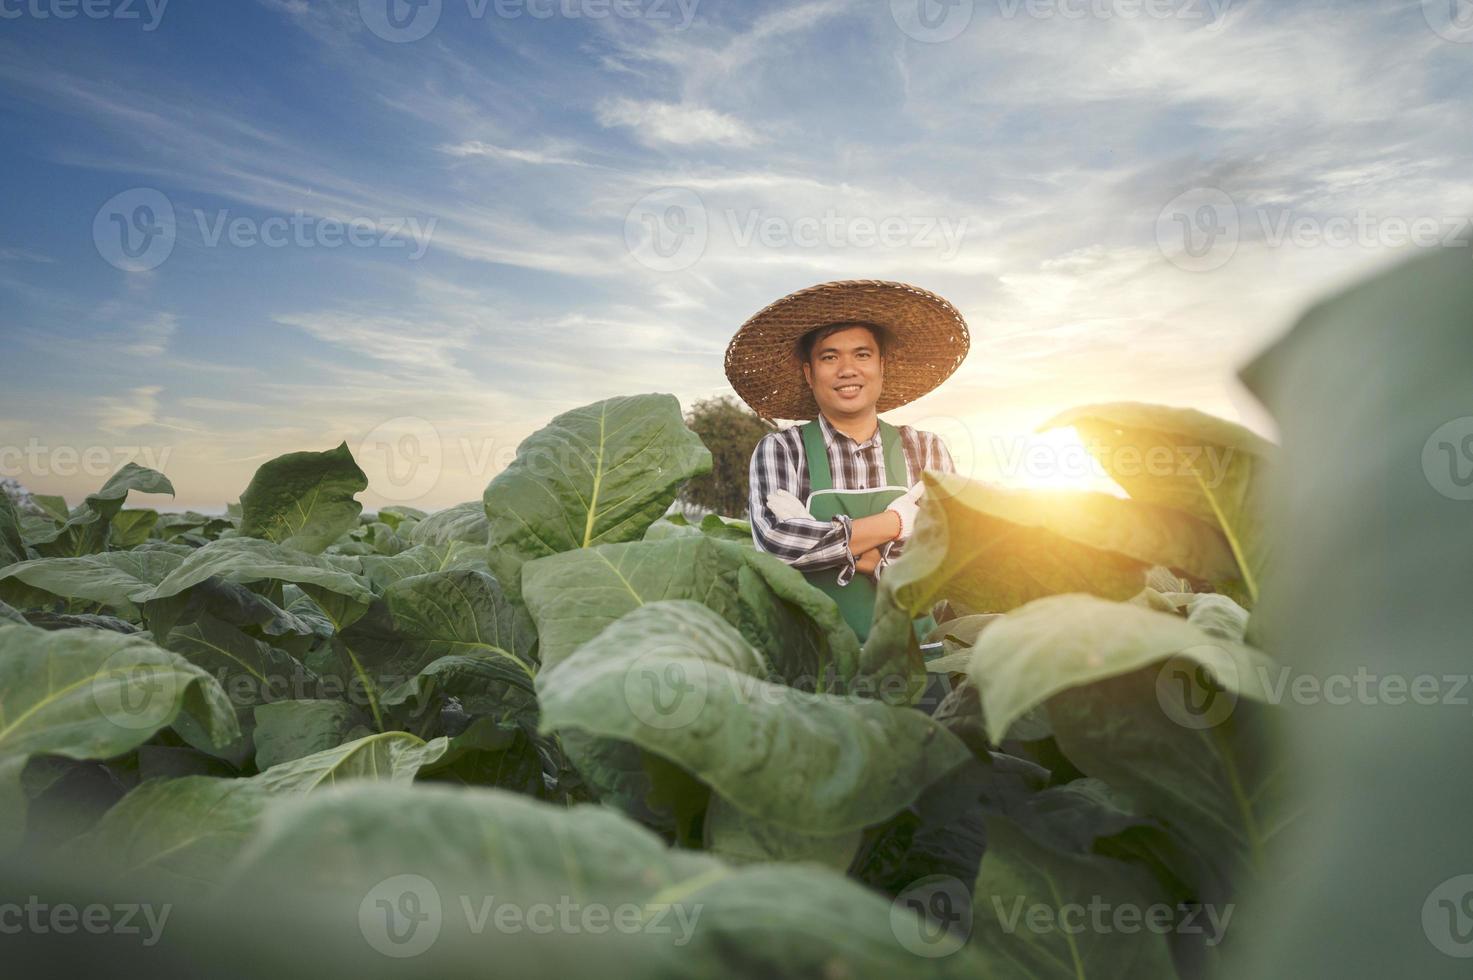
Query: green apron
column 857, row 599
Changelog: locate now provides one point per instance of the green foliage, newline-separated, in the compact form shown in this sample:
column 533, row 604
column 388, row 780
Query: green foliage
column 626, row 708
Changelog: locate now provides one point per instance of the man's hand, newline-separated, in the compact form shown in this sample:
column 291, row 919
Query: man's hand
column 905, row 508
column 868, row 562
column 786, row 507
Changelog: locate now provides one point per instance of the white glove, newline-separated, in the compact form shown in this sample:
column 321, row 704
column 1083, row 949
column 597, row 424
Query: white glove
column 787, row 507
column 905, row 508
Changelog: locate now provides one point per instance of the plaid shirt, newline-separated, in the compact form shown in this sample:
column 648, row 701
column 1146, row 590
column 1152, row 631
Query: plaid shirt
column 778, row 463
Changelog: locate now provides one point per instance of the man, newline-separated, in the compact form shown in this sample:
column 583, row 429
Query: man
column 836, row 498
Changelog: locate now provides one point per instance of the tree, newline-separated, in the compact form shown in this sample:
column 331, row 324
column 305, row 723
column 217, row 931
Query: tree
column 731, row 431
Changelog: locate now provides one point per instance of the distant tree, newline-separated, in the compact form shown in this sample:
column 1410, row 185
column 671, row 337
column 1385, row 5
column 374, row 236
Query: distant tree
column 731, row 431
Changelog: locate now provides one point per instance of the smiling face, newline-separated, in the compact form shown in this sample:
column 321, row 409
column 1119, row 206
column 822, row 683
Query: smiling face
column 846, row 371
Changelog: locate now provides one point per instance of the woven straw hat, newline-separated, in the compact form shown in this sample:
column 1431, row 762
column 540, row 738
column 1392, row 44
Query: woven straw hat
column 929, row 339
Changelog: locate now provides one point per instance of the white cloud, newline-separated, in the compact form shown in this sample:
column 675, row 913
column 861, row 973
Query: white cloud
column 657, row 123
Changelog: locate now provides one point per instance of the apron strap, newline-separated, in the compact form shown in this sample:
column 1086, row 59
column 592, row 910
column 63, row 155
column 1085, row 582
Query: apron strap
column 895, row 471
column 821, row 478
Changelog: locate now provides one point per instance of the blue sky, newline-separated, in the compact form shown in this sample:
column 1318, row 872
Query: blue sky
column 508, row 176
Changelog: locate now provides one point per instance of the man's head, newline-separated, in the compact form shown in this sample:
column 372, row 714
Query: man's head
column 844, row 364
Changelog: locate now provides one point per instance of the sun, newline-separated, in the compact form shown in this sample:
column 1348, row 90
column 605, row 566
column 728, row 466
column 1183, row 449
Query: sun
column 1057, row 459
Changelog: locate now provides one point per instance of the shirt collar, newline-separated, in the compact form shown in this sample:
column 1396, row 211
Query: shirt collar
column 830, row 434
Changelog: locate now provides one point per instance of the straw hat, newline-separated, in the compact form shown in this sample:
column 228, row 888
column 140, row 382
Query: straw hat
column 929, row 339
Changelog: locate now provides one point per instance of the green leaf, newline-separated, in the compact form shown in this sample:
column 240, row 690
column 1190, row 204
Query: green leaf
column 599, row 474
column 573, row 596
column 425, row 617
column 675, row 679
column 422, row 559
column 1156, row 708
column 398, row 515
column 112, row 578
column 303, row 500
column 187, row 831
column 738, row 837
column 55, row 506
column 1181, row 458
column 1067, row 641
column 342, row 595
column 86, row 530
column 190, row 522
column 1369, row 514
column 287, row 730
column 130, row 528
column 464, row 522
column 1041, row 914
column 318, row 857
column 91, row 694
column 251, row 672
column 990, row 549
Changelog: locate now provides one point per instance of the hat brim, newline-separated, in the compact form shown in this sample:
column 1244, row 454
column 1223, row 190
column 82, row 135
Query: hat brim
column 929, row 339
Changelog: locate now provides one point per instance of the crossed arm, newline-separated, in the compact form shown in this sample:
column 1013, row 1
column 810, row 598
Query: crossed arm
column 849, row 544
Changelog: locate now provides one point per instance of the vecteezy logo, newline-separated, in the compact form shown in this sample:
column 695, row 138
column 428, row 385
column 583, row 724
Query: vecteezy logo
column 400, row 21
column 403, row 458
column 1447, row 917
column 1447, row 459
column 931, row 21
column 1452, row 20
column 135, row 696
column 667, row 229
column 134, row 231
column 401, row 916
column 1198, row 231
column 1194, row 695
column 932, row 917
column 663, row 692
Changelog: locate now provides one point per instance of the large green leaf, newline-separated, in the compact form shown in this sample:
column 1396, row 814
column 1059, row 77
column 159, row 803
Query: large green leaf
column 86, row 529
column 130, row 528
column 992, row 549
column 599, row 474
column 91, row 694
column 303, row 500
column 186, row 831
column 446, row 853
column 342, row 595
column 1153, row 706
column 111, row 578
column 676, row 680
column 738, row 837
column 287, row 730
column 1066, row 641
column 1040, row 914
column 989, row 549
column 251, row 672
column 425, row 617
column 54, row 505
column 1370, row 516
column 796, row 627
column 421, row 559
column 1178, row 457
column 464, row 522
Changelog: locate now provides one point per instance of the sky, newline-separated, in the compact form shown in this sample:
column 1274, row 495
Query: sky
column 239, row 229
